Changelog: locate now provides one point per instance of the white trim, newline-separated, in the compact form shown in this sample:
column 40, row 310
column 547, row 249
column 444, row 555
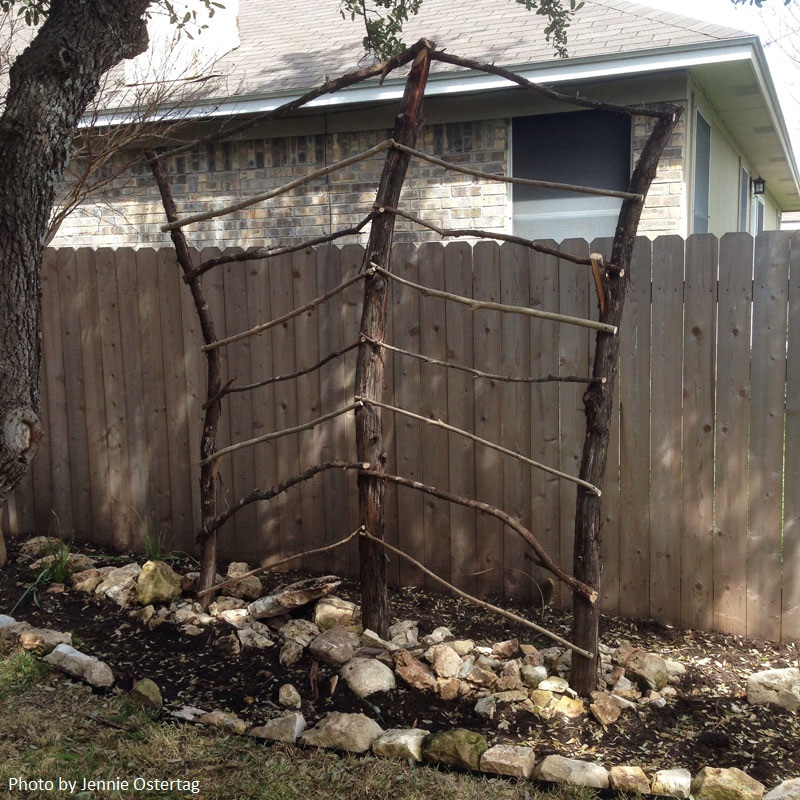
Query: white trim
column 450, row 83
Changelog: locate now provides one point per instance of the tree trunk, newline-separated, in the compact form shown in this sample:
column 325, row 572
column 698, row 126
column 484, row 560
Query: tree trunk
column 369, row 365
column 51, row 84
column 598, row 403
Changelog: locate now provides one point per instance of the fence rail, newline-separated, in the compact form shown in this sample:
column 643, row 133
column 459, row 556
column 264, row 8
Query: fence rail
column 701, row 522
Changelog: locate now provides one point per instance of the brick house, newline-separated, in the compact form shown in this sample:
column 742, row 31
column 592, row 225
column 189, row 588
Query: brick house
column 732, row 129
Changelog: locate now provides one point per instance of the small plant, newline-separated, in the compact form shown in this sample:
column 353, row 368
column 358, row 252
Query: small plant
column 156, row 545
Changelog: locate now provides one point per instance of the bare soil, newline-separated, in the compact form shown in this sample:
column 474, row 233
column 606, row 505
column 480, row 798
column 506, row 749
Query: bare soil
column 708, row 723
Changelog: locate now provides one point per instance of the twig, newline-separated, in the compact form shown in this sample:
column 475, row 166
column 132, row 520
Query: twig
column 485, row 305
column 536, row 88
column 286, row 187
column 480, row 603
column 439, row 424
column 275, row 564
column 265, row 326
column 566, row 187
column 118, row 725
column 292, row 375
column 267, row 437
column 479, row 373
column 544, row 559
column 275, row 250
column 480, row 233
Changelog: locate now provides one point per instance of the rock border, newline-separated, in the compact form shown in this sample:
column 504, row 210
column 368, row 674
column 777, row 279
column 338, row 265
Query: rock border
column 506, row 673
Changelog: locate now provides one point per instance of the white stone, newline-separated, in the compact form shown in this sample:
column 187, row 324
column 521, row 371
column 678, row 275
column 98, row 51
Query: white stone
column 445, row 661
column 286, row 728
column 366, row 676
column 554, row 684
column 335, row 646
column 248, row 637
column 332, row 610
column 404, row 633
column 672, row 782
column 712, row 783
column 119, row 585
column 437, row 636
column 509, row 759
column 302, row 631
column 788, row 790
column 486, row 707
column 354, row 733
column 559, row 769
column 289, row 697
column 371, row 639
column 42, row 640
column 400, row 743
column 780, row 687
column 6, row 621
column 236, row 617
column 79, row 665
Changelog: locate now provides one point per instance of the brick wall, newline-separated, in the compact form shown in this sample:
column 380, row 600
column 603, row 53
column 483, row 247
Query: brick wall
column 128, row 212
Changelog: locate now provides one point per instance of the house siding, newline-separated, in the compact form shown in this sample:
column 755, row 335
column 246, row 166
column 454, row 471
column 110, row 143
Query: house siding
column 129, row 212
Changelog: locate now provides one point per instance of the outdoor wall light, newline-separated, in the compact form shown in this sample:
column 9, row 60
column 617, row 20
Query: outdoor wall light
column 759, row 185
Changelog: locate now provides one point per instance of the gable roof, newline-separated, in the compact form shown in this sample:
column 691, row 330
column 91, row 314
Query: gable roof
column 502, row 31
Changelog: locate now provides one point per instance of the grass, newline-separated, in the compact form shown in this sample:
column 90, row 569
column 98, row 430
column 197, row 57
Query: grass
column 52, row 729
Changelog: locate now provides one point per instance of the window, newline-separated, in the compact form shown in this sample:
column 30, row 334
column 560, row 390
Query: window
column 744, row 200
column 702, row 174
column 586, row 148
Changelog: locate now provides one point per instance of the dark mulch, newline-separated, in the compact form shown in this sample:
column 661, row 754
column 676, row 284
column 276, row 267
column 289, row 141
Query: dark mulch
column 708, row 723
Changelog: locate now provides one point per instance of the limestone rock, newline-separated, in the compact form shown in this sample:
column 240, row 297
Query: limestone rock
column 400, row 743
column 293, row 596
column 450, row 688
column 291, row 653
column 780, row 687
column 570, row 707
column 509, row 759
column 79, row 665
column 672, row 782
column 455, row 748
column 302, row 631
column 88, row 580
column 248, row 588
column 554, row 684
column 255, row 638
column 788, row 790
column 486, row 707
column 289, row 697
column 532, row 676
column 157, row 583
column 39, row 546
column 286, row 728
column 559, row 769
column 366, row 676
column 604, row 709
column 630, row 780
column 354, row 733
column 225, row 721
column 119, row 585
column 75, row 562
column 236, row 617
column 6, row 621
column 225, row 603
column 188, row 713
column 147, row 693
column 331, row 611
column 445, row 661
column 42, row 641
column 371, row 639
column 334, row 647
column 405, row 633
column 507, row 649
column 437, row 636
column 712, row 783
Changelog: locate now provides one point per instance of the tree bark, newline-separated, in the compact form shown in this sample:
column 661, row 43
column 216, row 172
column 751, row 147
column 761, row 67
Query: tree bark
column 50, row 85
column 598, row 405
column 369, row 364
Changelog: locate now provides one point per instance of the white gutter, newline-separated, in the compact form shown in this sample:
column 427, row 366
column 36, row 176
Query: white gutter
column 451, row 82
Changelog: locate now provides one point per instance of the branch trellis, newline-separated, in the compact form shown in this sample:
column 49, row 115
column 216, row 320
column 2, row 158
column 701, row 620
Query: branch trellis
column 609, row 279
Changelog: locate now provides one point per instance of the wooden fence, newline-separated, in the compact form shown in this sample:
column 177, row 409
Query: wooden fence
column 702, row 497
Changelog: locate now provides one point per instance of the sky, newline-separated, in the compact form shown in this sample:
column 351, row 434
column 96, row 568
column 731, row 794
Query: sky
column 779, row 29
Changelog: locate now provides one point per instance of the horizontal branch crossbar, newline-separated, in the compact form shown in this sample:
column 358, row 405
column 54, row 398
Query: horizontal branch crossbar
column 292, row 375
column 265, row 326
column 566, row 187
column 479, row 233
column 479, row 373
column 268, row 437
column 475, row 601
column 492, row 445
column 485, row 305
column 286, row 187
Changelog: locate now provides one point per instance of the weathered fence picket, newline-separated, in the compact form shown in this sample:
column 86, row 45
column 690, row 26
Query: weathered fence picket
column 702, row 495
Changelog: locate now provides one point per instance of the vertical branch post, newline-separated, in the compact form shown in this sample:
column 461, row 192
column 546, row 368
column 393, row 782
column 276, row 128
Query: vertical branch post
column 208, row 443
column 598, row 405
column 369, row 364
